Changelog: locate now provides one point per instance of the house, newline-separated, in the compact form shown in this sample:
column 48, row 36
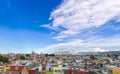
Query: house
column 1, row 68
column 63, row 53
column 114, row 71
column 17, row 70
column 76, row 72
column 32, row 72
column 111, row 69
column 58, row 70
column 11, row 72
column 4, row 67
column 72, row 72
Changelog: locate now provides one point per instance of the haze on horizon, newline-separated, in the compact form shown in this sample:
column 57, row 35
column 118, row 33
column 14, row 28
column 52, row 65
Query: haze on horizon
column 61, row 25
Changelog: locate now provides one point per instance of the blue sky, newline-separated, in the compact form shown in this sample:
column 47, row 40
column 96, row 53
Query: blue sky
column 19, row 24
column 61, row 25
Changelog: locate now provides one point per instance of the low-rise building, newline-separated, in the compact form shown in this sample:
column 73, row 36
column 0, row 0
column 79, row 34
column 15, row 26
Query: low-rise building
column 17, row 70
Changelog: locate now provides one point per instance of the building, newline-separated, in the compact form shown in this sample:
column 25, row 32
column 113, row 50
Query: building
column 32, row 72
column 114, row 71
column 17, row 70
column 4, row 67
column 62, row 53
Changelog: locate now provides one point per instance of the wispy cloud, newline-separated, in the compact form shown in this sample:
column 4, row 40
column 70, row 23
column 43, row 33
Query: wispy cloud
column 118, row 20
column 93, row 44
column 77, row 15
column 91, row 24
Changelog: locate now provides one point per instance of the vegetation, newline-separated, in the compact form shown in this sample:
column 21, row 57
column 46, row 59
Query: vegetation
column 51, row 54
column 108, row 55
column 116, row 55
column 92, row 57
column 27, row 55
column 3, row 59
column 22, row 57
column 46, row 55
column 49, row 72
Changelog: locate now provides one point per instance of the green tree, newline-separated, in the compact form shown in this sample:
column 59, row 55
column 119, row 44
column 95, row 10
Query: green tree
column 92, row 57
column 27, row 55
column 46, row 55
column 93, row 72
column 116, row 55
column 108, row 55
column 51, row 55
column 3, row 59
column 22, row 57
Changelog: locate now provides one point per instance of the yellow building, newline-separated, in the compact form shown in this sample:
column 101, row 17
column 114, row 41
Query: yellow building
column 3, row 68
column 114, row 71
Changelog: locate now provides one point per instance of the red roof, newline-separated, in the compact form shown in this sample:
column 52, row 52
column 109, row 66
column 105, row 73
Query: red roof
column 32, row 72
column 16, row 68
column 76, row 72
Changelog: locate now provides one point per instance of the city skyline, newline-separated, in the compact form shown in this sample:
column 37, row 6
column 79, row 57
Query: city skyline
column 61, row 25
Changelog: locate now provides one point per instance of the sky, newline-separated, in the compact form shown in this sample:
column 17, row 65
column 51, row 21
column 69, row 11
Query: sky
column 50, row 26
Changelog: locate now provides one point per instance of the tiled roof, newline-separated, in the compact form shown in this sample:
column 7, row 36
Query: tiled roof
column 16, row 68
column 32, row 72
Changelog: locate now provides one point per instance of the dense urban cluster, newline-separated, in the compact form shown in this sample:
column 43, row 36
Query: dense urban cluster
column 60, row 63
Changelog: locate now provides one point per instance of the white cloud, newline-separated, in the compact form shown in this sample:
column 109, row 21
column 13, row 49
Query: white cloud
column 98, row 50
column 118, row 20
column 94, row 44
column 77, row 15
